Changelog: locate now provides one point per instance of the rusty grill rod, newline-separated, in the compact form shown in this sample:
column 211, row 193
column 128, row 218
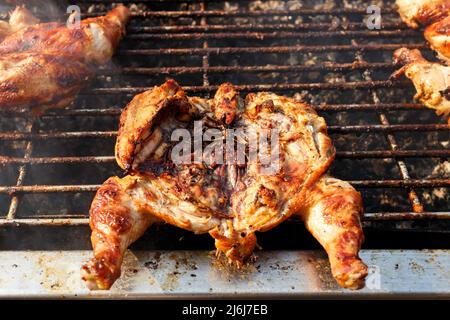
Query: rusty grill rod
column 240, row 13
column 268, row 68
column 268, row 87
column 272, row 49
column 331, row 129
column 82, row 220
column 416, row 183
column 115, row 111
column 340, row 154
column 276, row 34
column 242, row 27
column 416, row 204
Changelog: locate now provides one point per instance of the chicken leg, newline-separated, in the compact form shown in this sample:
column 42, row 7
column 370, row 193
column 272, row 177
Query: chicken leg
column 123, row 209
column 332, row 214
column 116, row 223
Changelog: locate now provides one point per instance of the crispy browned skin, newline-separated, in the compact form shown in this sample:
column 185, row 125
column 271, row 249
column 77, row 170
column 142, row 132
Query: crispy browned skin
column 431, row 80
column 44, row 81
column 93, row 42
column 438, row 36
column 45, row 65
column 137, row 119
column 230, row 201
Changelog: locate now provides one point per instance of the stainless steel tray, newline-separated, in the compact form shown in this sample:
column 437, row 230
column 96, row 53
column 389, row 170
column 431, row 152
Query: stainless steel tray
column 196, row 274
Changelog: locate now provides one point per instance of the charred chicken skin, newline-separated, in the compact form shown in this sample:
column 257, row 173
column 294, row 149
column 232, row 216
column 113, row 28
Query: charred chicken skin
column 231, row 201
column 431, row 80
column 45, row 65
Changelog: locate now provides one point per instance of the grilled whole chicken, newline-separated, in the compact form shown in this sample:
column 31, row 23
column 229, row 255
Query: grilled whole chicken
column 230, row 200
column 64, row 56
column 431, row 80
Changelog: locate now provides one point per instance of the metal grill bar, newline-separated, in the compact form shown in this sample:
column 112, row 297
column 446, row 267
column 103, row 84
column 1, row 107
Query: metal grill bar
column 325, row 107
column 331, row 129
column 241, row 27
column 269, row 87
column 272, row 49
column 419, row 183
column 22, row 172
column 270, row 68
column 241, row 13
column 417, row 206
column 368, row 217
column 340, row 154
column 268, row 35
column 205, row 58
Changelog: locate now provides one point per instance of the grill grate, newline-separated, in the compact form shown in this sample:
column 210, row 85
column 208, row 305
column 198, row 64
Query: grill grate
column 391, row 149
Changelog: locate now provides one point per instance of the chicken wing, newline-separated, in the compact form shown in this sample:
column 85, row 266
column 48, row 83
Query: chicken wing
column 438, row 36
column 229, row 200
column 19, row 19
column 431, row 80
column 45, row 65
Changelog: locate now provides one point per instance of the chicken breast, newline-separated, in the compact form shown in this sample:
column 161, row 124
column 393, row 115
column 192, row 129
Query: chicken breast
column 254, row 189
column 431, row 80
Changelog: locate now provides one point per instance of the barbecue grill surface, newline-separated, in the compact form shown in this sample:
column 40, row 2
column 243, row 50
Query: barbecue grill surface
column 393, row 150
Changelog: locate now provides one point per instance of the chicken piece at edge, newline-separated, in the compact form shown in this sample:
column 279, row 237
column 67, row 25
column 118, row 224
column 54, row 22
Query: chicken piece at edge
column 420, row 72
column 94, row 42
column 422, row 12
column 438, row 36
column 45, row 78
column 39, row 81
